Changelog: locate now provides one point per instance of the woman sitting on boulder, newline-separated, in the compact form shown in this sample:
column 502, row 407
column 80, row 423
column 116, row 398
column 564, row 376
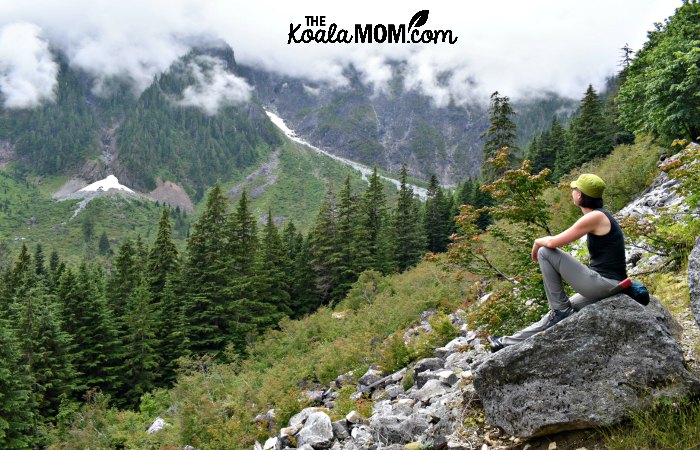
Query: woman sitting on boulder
column 607, row 267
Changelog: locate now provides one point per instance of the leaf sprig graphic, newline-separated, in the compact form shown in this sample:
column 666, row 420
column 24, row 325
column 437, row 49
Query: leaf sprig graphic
column 419, row 19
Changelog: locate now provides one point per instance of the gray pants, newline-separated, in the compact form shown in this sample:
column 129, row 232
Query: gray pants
column 556, row 265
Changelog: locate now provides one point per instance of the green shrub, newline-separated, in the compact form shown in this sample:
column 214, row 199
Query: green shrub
column 508, row 310
column 443, row 332
column 394, row 354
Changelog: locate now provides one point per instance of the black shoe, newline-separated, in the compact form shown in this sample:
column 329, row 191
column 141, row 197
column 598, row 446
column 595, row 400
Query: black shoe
column 496, row 343
column 556, row 316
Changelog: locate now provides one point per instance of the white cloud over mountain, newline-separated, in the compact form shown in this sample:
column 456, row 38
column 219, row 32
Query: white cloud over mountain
column 519, row 48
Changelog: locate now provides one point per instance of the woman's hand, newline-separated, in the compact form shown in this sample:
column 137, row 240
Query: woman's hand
column 535, row 248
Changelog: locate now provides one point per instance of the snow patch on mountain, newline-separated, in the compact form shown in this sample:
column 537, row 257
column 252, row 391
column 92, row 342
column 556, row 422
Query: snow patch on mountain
column 111, row 182
column 364, row 170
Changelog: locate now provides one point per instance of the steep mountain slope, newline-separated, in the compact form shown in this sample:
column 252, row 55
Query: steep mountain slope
column 389, row 127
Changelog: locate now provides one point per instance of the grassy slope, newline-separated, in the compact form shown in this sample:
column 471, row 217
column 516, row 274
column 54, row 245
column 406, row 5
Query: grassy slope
column 303, row 177
column 214, row 408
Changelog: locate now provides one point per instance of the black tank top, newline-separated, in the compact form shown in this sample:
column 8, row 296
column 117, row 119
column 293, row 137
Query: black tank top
column 608, row 251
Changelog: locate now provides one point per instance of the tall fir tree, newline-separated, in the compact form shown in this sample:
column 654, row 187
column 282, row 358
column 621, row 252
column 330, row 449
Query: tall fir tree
column 305, row 295
column 409, row 240
column 323, row 248
column 348, row 243
column 242, row 231
column 47, row 350
column 246, row 312
column 141, row 362
column 174, row 341
column 17, row 280
column 16, row 412
column 501, row 134
column 558, row 146
column 590, row 132
column 272, row 269
column 122, row 282
column 162, row 259
column 374, row 230
column 90, row 322
column 103, row 245
column 437, row 215
column 205, row 275
column 39, row 262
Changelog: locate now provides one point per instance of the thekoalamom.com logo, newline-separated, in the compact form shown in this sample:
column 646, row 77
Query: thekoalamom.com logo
column 410, row 33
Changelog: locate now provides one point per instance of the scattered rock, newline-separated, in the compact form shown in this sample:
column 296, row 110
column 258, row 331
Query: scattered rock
column 611, row 357
column 427, row 364
column 341, row 431
column 370, row 377
column 302, row 416
column 431, row 389
column 157, row 425
column 270, row 444
column 353, row 417
column 315, row 397
column 317, row 432
column 362, row 435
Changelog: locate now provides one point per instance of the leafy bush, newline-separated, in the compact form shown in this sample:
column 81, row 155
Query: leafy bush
column 508, row 310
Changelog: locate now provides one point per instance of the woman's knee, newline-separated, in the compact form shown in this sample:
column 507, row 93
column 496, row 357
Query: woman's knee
column 544, row 252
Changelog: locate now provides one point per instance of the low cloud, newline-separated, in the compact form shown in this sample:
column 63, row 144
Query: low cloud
column 27, row 69
column 518, row 48
column 214, row 87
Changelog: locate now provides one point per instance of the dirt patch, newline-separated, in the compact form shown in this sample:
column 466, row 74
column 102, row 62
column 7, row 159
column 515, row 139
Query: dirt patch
column 171, row 194
column 69, row 187
column 259, row 181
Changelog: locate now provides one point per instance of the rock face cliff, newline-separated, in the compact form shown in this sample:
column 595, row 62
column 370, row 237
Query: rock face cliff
column 389, row 127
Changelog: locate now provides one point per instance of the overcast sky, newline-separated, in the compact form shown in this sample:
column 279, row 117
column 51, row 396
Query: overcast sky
column 519, row 48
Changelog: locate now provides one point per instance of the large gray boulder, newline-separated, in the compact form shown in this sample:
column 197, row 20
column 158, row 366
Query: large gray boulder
column 317, row 432
column 694, row 280
column 396, row 423
column 588, row 371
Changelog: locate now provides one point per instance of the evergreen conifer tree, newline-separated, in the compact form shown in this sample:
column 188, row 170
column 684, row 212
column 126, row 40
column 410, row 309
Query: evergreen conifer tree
column 374, row 228
column 305, row 296
column 39, row 262
column 242, row 247
column 501, row 134
column 122, row 282
column 348, row 242
column 271, row 272
column 16, row 414
column 91, row 324
column 174, row 337
column 103, row 246
column 323, row 248
column 437, row 215
column 47, row 350
column 141, row 361
column 205, row 275
column 590, row 132
column 17, row 280
column 162, row 259
column 409, row 240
